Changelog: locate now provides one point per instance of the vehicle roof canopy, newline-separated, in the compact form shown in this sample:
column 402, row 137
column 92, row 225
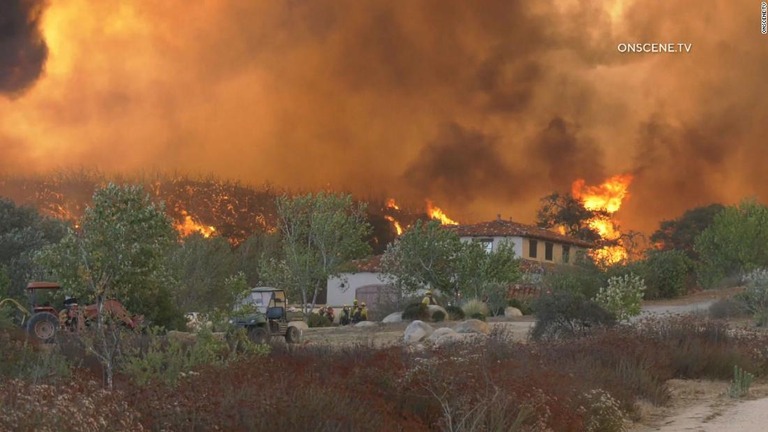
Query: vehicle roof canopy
column 266, row 289
column 43, row 285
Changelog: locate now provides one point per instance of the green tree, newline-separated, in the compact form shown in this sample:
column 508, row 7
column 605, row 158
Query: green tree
column 23, row 232
column 119, row 252
column 320, row 233
column 734, row 243
column 429, row 255
column 680, row 234
column 563, row 210
column 202, row 265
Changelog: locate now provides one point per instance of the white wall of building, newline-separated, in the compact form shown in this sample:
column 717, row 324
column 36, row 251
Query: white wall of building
column 496, row 241
column 341, row 290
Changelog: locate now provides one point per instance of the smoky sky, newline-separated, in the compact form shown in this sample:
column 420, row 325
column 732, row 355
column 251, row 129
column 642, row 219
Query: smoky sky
column 22, row 48
column 483, row 107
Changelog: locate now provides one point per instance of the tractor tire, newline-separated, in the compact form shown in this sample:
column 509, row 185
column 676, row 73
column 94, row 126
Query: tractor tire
column 258, row 335
column 43, row 326
column 293, row 335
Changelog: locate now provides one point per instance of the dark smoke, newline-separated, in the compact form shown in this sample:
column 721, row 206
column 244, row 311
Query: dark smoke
column 563, row 156
column 22, row 49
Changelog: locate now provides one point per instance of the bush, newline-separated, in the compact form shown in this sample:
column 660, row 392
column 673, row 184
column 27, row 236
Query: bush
column 478, row 316
column 667, row 274
column 416, row 311
column 523, row 306
column 475, row 306
column 728, row 308
column 496, row 298
column 755, row 296
column 584, row 281
column 603, row 412
column 564, row 314
column 455, row 313
column 317, row 320
column 438, row 316
column 623, row 296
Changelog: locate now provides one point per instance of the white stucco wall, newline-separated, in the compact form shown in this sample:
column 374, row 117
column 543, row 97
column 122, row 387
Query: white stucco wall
column 338, row 296
column 517, row 241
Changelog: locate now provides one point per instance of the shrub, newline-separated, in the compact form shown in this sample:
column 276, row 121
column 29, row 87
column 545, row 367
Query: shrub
column 585, row 280
column 523, row 306
column 755, row 296
column 623, row 296
column 564, row 314
column 742, row 380
column 455, row 313
column 317, row 320
column 478, row 315
column 438, row 316
column 728, row 308
column 474, row 306
column 666, row 274
column 416, row 311
column 496, row 298
column 603, row 412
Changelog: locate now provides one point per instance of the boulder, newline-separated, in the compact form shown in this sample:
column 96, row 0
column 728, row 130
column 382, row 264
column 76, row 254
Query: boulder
column 394, row 317
column 416, row 332
column 463, row 338
column 435, row 308
column 442, row 331
column 365, row 324
column 473, row 326
column 511, row 312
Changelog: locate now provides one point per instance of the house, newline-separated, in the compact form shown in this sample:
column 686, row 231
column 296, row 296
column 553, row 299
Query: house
column 530, row 242
column 539, row 248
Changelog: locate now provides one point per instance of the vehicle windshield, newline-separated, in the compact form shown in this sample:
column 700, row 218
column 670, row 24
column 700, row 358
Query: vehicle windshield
column 256, row 300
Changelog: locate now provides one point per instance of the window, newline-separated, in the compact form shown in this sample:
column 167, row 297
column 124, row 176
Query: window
column 486, row 243
column 566, row 254
column 533, row 245
column 549, row 251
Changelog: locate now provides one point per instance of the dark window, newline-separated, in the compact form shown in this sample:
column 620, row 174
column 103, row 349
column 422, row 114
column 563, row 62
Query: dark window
column 566, row 254
column 533, row 245
column 549, row 251
column 486, row 243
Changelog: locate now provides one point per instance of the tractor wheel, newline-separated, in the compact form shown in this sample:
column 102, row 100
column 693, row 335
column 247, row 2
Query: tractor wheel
column 43, row 326
column 293, row 335
column 258, row 335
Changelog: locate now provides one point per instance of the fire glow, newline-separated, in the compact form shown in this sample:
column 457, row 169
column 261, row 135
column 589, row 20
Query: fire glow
column 189, row 226
column 606, row 197
column 436, row 213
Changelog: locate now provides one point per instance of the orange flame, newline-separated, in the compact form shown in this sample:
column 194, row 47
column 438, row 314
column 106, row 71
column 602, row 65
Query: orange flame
column 392, row 204
column 189, row 226
column 395, row 223
column 606, row 197
column 437, row 214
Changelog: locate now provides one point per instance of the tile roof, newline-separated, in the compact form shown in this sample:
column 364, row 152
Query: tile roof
column 505, row 228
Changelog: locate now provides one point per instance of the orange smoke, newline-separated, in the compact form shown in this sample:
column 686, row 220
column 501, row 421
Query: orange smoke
column 189, row 226
column 606, row 197
column 436, row 213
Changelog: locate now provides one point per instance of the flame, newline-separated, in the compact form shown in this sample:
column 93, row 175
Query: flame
column 189, row 226
column 606, row 197
column 395, row 223
column 392, row 204
column 437, row 214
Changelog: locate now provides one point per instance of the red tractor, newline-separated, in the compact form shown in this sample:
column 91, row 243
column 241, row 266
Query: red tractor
column 46, row 319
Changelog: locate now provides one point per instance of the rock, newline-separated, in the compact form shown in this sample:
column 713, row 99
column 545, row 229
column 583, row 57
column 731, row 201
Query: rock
column 394, row 317
column 511, row 312
column 463, row 338
column 435, row 308
column 416, row 332
column 442, row 331
column 366, row 324
column 473, row 326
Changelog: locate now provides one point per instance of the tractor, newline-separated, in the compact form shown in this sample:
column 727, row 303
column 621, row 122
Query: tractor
column 46, row 320
column 264, row 314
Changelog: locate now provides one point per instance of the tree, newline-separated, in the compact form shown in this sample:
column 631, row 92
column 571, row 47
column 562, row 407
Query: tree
column 734, row 243
column 23, row 232
column 119, row 252
column 320, row 233
column 569, row 213
column 680, row 234
column 430, row 256
column 201, row 266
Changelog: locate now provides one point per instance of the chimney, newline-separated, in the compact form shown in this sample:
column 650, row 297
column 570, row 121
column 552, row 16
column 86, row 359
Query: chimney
column 498, row 216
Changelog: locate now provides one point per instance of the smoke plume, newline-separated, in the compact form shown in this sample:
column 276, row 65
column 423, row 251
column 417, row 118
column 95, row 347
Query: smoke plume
column 483, row 107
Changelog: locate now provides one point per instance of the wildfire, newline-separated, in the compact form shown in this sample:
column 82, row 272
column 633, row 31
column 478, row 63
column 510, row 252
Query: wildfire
column 437, row 214
column 606, row 197
column 395, row 223
column 189, row 226
column 392, row 204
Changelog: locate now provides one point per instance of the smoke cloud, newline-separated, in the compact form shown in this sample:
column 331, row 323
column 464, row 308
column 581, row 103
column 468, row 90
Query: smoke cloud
column 22, row 48
column 483, row 107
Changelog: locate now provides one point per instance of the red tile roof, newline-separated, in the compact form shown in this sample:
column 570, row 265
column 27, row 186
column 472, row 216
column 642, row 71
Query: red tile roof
column 505, row 228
